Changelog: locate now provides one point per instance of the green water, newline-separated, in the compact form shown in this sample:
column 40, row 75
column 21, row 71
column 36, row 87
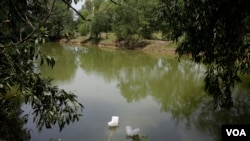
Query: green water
column 161, row 96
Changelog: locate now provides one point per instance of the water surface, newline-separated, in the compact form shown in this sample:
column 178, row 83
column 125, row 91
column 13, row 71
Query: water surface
column 161, row 96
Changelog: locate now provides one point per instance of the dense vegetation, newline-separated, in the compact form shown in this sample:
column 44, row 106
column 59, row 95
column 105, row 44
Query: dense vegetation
column 215, row 33
column 24, row 27
column 130, row 20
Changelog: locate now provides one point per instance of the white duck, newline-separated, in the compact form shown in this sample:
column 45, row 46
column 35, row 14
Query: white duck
column 132, row 132
column 114, row 121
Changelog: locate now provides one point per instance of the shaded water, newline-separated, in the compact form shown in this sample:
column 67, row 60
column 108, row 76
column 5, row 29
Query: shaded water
column 161, row 96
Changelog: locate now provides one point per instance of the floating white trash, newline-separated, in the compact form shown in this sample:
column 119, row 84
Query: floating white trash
column 114, row 121
column 132, row 132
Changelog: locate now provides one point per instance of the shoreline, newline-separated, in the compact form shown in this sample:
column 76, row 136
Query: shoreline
column 157, row 47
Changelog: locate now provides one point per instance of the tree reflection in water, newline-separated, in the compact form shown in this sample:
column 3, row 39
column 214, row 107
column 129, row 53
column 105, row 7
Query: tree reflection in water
column 65, row 66
column 206, row 119
column 184, row 98
column 176, row 86
column 11, row 122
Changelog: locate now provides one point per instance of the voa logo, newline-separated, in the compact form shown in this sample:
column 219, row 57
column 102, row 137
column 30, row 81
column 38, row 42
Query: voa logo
column 236, row 132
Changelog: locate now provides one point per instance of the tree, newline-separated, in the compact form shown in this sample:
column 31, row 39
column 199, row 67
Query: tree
column 60, row 22
column 99, row 13
column 129, row 20
column 133, row 20
column 84, row 26
column 22, row 32
column 215, row 33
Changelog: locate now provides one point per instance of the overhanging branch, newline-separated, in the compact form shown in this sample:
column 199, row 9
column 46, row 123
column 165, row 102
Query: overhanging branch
column 115, row 2
column 79, row 14
column 35, row 29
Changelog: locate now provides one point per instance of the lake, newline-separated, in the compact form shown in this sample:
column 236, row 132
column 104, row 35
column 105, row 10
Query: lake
column 159, row 95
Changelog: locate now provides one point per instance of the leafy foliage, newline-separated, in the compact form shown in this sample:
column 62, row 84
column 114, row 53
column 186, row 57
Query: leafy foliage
column 129, row 20
column 82, row 26
column 50, row 104
column 10, row 121
column 98, row 12
column 133, row 20
column 23, row 30
column 60, row 22
column 216, row 34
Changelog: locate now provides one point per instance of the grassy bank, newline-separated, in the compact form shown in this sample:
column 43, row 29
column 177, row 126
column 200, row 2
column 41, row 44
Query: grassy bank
column 108, row 40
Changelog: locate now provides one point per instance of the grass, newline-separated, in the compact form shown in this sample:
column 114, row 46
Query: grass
column 157, row 36
column 156, row 45
column 108, row 38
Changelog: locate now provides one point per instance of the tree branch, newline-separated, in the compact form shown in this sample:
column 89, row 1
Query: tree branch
column 5, row 21
column 25, row 19
column 115, row 2
column 79, row 14
column 35, row 29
